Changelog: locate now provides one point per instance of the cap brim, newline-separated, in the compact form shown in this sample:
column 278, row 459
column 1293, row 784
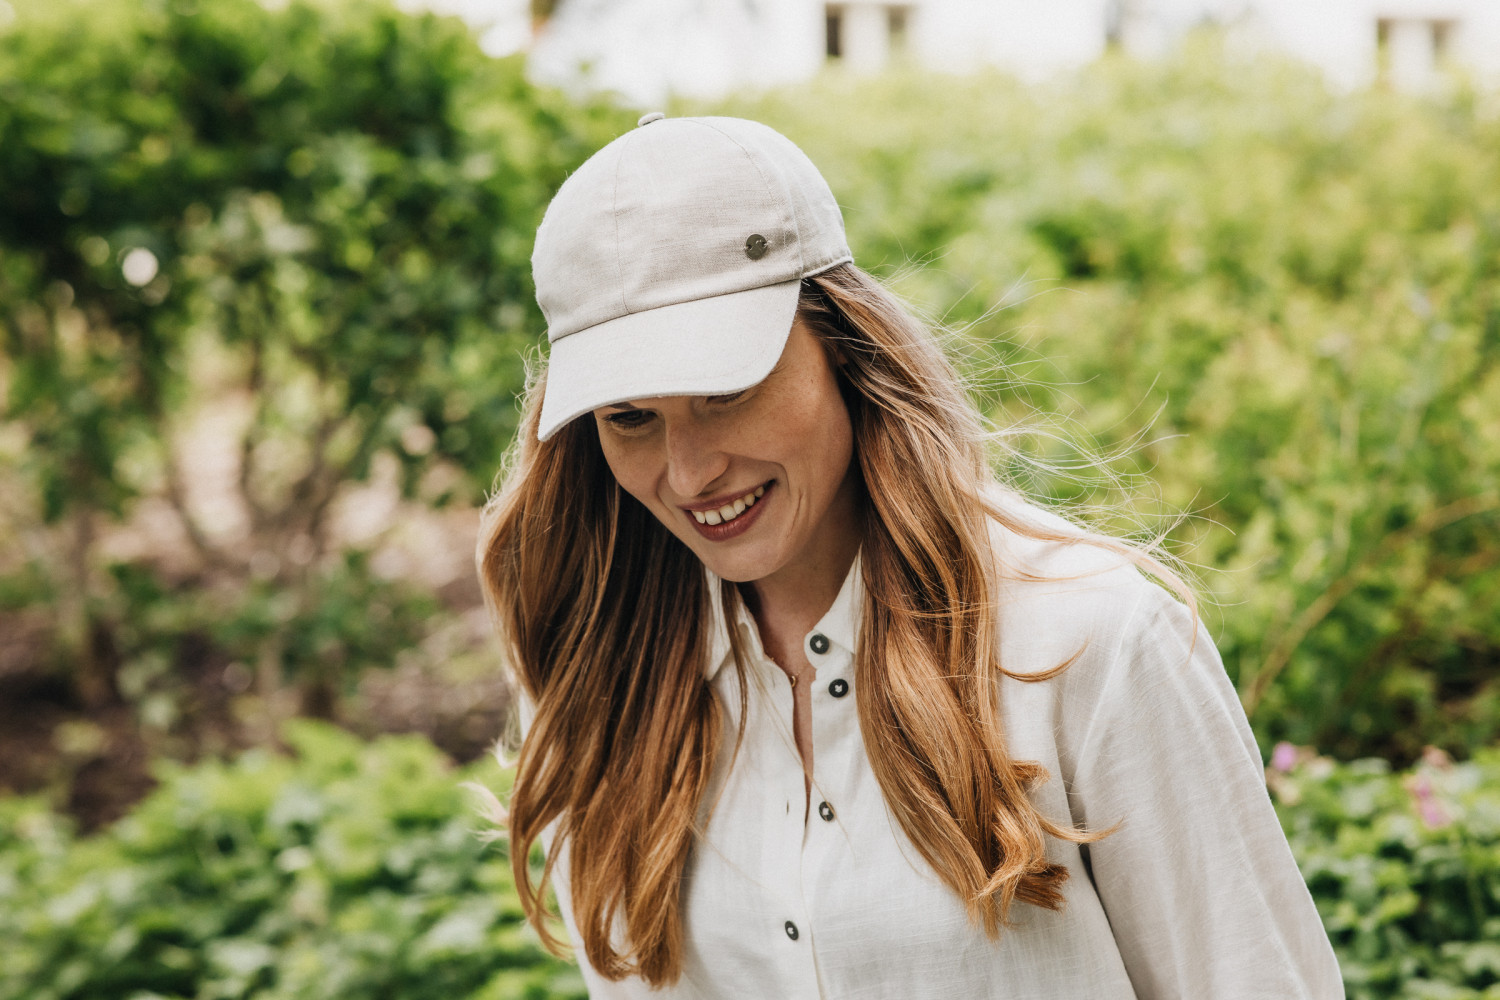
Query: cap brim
column 706, row 347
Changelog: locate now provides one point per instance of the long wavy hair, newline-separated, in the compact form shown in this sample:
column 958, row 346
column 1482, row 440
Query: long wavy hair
column 606, row 619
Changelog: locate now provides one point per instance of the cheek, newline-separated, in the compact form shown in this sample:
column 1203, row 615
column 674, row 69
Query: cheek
column 629, row 467
column 839, row 446
column 820, row 426
column 637, row 470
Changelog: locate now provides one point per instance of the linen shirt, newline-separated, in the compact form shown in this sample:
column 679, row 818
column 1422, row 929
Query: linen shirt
column 1195, row 896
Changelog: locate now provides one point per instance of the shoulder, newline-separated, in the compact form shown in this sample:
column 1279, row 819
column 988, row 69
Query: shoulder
column 1063, row 592
column 1140, row 667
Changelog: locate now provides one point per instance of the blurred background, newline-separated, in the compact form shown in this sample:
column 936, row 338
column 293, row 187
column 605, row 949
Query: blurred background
column 1229, row 268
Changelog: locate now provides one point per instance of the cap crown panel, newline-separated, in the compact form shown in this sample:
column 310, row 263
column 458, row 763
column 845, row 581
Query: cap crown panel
column 684, row 211
column 576, row 250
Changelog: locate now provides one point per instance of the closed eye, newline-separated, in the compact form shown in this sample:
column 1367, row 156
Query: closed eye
column 629, row 419
column 636, row 419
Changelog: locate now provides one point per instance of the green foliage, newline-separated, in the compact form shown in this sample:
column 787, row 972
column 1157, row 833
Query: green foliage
column 1405, row 870
column 345, row 193
column 352, row 871
column 1302, row 287
column 316, row 220
column 343, row 619
column 357, row 870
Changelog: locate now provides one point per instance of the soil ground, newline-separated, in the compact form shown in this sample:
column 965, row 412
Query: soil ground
column 96, row 764
column 96, row 761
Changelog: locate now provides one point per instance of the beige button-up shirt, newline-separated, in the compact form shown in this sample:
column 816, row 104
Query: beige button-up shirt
column 1196, row 896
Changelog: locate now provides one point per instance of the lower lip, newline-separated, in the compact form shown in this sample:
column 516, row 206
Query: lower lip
column 732, row 529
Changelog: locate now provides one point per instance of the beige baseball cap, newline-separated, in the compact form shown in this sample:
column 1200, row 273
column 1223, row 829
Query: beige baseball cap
column 669, row 264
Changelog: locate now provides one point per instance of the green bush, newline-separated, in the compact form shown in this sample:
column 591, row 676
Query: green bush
column 350, row 871
column 339, row 201
column 1304, row 289
column 357, row 870
column 1405, row 870
column 313, row 223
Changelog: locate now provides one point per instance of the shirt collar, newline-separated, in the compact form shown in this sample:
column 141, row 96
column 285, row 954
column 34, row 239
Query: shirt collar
column 840, row 623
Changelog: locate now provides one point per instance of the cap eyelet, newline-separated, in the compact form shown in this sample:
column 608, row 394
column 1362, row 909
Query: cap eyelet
column 756, row 247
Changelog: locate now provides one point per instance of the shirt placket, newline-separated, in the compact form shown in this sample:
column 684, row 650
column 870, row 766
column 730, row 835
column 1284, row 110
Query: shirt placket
column 795, row 944
column 832, row 713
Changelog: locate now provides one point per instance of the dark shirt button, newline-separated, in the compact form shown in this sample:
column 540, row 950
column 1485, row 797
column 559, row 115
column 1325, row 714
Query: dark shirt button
column 839, row 688
column 826, row 811
column 791, row 930
column 818, row 643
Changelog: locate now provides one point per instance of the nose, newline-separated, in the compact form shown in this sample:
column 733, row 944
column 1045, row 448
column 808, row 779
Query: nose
column 695, row 457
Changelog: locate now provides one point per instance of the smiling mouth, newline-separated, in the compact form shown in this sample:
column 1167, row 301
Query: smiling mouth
column 731, row 510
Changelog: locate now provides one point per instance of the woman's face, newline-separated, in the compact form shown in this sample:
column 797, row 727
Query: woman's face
column 757, row 483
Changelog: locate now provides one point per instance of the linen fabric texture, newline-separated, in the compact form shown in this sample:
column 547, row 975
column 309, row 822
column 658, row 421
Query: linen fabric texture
column 670, row 262
column 1195, row 897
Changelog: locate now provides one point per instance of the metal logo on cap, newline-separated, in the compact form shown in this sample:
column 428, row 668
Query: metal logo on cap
column 755, row 247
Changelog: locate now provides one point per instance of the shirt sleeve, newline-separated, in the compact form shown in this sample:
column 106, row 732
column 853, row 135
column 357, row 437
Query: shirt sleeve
column 1201, row 890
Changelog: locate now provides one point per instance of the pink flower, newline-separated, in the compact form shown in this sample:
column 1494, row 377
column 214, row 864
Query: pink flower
column 1429, row 809
column 1434, row 816
column 1283, row 757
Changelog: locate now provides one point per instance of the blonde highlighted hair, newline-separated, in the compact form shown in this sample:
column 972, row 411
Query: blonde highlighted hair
column 606, row 617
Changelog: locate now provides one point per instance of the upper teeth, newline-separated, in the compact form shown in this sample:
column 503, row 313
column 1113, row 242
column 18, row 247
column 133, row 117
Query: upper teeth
column 730, row 511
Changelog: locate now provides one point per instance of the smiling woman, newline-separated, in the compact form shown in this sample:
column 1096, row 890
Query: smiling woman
column 701, row 463
column 813, row 705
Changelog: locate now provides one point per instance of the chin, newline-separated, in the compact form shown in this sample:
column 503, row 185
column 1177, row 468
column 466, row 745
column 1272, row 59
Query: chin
column 737, row 570
column 734, row 572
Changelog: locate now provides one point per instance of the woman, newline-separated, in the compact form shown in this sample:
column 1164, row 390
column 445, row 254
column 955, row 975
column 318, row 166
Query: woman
column 812, row 706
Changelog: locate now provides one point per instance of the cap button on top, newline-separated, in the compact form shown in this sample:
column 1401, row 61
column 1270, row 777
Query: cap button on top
column 649, row 117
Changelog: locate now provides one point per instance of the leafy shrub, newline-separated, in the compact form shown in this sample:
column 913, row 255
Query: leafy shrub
column 355, row 870
column 339, row 202
column 1302, row 286
column 350, row 871
column 1405, row 870
column 309, row 227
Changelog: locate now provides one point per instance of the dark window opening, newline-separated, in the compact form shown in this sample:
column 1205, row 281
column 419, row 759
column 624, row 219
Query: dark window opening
column 896, row 19
column 1437, row 36
column 1442, row 35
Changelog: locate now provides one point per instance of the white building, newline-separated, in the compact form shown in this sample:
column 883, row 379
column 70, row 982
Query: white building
column 1412, row 44
column 648, row 49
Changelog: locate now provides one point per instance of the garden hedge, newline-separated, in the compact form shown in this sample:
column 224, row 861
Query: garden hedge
column 348, row 870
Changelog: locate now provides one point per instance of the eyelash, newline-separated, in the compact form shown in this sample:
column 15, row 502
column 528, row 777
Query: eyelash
column 631, row 419
column 628, row 420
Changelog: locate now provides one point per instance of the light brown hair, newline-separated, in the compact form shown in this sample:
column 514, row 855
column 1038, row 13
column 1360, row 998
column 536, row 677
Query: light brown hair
column 605, row 616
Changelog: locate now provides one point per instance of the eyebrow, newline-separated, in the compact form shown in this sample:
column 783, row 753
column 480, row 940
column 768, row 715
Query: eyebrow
column 623, row 406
